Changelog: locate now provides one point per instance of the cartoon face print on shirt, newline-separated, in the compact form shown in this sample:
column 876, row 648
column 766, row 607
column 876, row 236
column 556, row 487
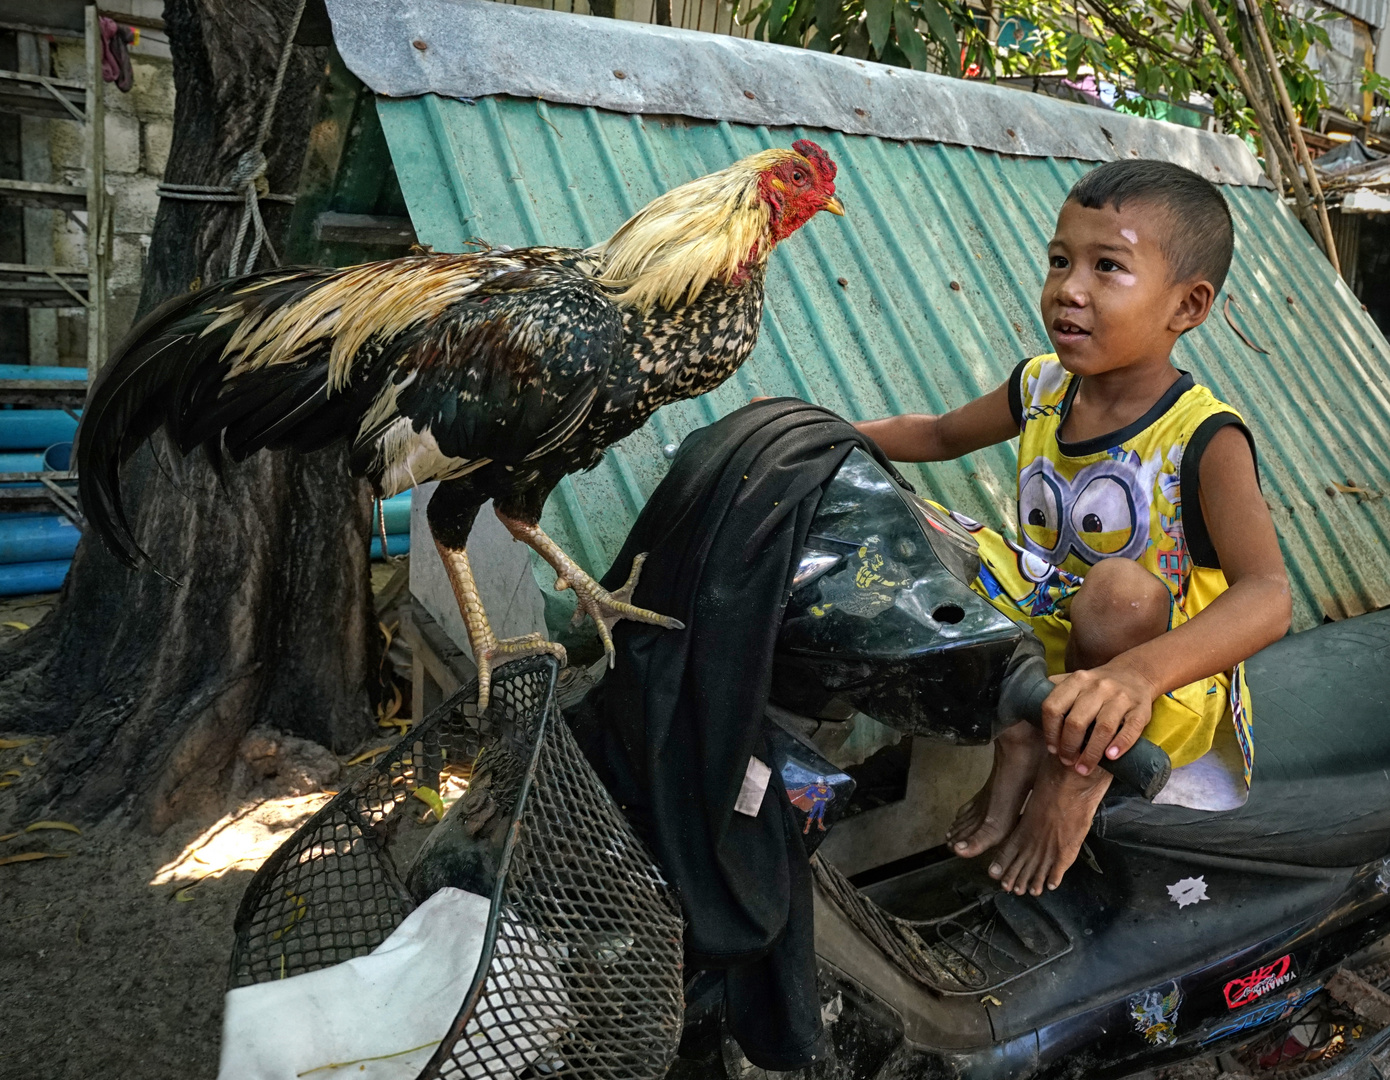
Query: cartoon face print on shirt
column 1102, row 512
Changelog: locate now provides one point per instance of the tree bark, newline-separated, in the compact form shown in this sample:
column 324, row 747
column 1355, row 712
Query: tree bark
column 148, row 686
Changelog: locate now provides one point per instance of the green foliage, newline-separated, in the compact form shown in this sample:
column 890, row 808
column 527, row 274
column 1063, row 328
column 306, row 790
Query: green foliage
column 1156, row 52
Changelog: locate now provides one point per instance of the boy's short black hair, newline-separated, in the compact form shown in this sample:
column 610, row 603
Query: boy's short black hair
column 1200, row 238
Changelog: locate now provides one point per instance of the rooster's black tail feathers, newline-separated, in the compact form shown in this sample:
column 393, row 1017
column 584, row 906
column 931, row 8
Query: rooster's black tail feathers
column 169, row 372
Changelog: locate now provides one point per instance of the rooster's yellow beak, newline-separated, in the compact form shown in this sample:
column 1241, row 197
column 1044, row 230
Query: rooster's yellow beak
column 834, row 206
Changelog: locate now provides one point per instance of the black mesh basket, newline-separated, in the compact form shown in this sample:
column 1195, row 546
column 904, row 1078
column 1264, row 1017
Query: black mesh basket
column 582, row 952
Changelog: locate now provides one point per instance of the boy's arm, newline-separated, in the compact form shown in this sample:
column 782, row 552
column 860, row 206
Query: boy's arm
column 1252, row 613
column 916, row 437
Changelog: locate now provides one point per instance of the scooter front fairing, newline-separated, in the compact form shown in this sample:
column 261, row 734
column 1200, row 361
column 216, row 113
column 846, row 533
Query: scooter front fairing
column 882, row 617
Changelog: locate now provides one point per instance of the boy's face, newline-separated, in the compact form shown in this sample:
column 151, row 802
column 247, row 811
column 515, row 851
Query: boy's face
column 1108, row 302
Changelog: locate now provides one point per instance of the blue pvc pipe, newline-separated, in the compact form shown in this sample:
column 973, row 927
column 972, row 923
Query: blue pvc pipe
column 21, row 462
column 36, row 538
column 397, row 512
column 399, row 544
column 20, row 579
column 35, row 429
column 42, row 371
column 58, row 457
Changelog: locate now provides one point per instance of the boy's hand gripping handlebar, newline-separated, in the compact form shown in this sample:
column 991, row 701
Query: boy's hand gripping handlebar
column 1144, row 766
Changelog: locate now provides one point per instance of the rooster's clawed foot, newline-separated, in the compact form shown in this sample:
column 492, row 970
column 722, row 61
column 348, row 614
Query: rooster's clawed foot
column 493, row 654
column 606, row 608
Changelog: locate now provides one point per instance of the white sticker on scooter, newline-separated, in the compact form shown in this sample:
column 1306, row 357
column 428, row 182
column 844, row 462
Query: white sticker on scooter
column 1190, row 890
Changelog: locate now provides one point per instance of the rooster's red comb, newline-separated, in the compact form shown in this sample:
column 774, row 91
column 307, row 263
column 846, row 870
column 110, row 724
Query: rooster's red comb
column 816, row 156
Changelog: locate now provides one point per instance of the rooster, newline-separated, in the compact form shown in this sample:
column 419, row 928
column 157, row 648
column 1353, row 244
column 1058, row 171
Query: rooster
column 495, row 372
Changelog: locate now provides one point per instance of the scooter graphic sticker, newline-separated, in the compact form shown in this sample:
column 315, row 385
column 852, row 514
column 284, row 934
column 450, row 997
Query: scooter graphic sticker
column 812, row 793
column 1155, row 1014
column 1259, row 982
column 813, row 798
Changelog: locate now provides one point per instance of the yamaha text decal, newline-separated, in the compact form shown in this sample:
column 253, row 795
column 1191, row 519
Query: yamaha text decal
column 1259, row 982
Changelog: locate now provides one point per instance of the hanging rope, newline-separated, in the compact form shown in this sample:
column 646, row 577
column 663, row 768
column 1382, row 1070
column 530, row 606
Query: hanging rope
column 381, row 524
column 247, row 184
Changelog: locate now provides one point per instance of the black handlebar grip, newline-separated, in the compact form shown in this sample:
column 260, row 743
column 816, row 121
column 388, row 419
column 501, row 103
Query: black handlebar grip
column 1145, row 766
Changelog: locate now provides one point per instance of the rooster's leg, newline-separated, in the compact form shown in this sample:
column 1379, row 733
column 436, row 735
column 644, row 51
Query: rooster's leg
column 488, row 651
column 605, row 607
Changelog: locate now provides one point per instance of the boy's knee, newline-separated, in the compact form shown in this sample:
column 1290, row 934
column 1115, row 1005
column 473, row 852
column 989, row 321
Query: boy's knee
column 1120, row 605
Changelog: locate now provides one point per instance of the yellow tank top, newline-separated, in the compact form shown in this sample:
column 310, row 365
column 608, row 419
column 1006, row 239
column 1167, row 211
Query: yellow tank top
column 1131, row 494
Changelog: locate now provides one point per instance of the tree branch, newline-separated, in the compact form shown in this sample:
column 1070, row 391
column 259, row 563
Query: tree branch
column 1269, row 132
column 1329, row 243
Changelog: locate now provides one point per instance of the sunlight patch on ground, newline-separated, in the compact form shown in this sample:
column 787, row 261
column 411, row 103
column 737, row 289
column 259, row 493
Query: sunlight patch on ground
column 242, row 840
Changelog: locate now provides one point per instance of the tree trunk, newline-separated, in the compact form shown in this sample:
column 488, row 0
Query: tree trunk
column 150, row 686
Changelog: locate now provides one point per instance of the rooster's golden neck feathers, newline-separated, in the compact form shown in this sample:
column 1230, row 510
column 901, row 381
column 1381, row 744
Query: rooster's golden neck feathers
column 715, row 227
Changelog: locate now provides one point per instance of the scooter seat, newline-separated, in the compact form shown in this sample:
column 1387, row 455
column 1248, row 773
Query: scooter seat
column 1320, row 793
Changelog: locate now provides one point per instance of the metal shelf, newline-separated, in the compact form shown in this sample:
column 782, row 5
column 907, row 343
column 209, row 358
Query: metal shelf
column 43, row 393
column 38, row 95
column 32, row 286
column 43, row 196
column 63, row 99
column 27, row 286
column 56, row 490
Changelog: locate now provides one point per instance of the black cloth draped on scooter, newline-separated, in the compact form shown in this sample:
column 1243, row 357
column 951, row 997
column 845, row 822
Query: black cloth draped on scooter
column 682, row 712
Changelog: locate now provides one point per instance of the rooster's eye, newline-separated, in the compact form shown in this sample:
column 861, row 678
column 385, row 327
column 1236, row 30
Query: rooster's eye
column 798, row 176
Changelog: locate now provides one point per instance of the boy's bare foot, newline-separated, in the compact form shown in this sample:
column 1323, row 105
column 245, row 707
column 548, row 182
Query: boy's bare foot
column 1049, row 835
column 987, row 818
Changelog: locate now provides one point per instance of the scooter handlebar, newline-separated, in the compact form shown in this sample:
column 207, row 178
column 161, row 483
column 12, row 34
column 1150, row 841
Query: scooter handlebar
column 1145, row 766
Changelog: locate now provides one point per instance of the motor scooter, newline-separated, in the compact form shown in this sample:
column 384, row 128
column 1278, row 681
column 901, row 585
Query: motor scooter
column 1186, row 943
column 1197, row 939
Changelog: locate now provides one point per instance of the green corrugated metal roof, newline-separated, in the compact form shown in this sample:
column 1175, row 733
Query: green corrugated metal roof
column 942, row 253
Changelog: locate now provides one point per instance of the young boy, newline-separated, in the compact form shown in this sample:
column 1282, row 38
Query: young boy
column 1146, row 559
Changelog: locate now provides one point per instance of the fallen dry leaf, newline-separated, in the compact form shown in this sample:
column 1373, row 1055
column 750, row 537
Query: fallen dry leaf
column 1362, row 494
column 367, row 755
column 431, row 798
column 185, row 895
column 16, row 625
column 13, row 744
column 301, row 908
column 1239, row 333
column 53, row 825
column 27, row 760
column 30, row 856
column 12, row 772
column 8, row 836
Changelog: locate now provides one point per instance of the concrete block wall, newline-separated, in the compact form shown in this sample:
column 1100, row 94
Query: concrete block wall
column 138, row 130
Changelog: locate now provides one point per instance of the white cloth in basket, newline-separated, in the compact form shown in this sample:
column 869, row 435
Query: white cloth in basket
column 327, row 1024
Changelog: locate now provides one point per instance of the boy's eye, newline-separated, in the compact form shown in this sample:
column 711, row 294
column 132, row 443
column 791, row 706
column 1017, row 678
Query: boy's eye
column 1058, row 262
column 1105, row 266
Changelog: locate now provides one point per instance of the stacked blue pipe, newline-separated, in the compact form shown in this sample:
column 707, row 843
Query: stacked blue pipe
column 35, row 549
column 396, row 510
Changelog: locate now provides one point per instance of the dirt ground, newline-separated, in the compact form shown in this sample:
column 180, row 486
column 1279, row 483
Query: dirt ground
column 114, row 954
column 111, row 965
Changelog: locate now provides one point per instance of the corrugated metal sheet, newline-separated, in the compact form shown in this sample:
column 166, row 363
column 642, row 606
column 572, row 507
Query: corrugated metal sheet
column 900, row 336
column 1371, row 12
column 474, row 49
